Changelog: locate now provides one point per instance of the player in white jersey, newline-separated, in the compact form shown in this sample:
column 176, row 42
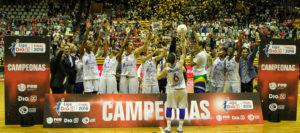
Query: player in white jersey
column 176, row 94
column 217, row 75
column 108, row 82
column 150, row 82
column 198, row 60
column 208, row 68
column 79, row 76
column 128, row 80
column 233, row 81
column 90, row 69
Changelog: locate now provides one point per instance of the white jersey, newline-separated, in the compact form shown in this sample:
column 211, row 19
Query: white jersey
column 232, row 70
column 201, row 61
column 90, row 68
column 110, row 66
column 79, row 70
column 149, row 73
column 217, row 75
column 206, row 63
column 128, row 65
column 175, row 78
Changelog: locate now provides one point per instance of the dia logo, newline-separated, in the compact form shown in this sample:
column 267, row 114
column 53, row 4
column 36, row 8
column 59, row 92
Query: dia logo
column 66, row 120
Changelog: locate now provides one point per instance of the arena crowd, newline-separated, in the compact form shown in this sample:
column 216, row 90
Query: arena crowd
column 221, row 42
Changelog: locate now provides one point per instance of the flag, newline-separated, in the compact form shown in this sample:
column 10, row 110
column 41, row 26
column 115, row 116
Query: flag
column 138, row 25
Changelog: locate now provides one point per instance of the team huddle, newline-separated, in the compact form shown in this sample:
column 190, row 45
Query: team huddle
column 211, row 70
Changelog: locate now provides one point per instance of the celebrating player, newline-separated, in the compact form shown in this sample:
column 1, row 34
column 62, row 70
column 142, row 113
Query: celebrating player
column 90, row 69
column 233, row 81
column 129, row 81
column 176, row 94
column 108, row 82
column 217, row 75
column 198, row 60
column 150, row 82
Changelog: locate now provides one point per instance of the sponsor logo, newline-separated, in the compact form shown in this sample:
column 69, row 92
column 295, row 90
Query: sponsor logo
column 85, row 120
column 251, row 117
column 237, row 105
column 222, row 117
column 281, row 85
column 219, row 118
column 274, row 107
column 29, row 87
column 32, row 110
column 279, row 49
column 226, row 117
column 57, row 120
column 76, row 120
column 281, row 96
column 23, row 110
column 49, row 120
column 62, row 106
column 21, row 87
column 272, row 85
column 66, row 120
column 18, row 47
column 242, row 117
column 20, row 99
column 235, row 117
column 32, row 98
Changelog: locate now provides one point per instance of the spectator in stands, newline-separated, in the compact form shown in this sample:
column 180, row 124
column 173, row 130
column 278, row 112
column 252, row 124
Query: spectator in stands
column 23, row 23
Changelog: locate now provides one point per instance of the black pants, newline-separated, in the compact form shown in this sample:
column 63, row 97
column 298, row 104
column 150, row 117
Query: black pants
column 70, row 88
column 162, row 85
column 247, row 87
column 56, row 90
column 95, row 92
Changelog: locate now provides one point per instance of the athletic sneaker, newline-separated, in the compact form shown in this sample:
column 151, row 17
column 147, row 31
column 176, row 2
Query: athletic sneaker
column 168, row 129
column 179, row 130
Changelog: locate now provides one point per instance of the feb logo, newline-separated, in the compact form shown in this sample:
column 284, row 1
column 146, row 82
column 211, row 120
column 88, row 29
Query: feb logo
column 21, row 87
column 49, row 120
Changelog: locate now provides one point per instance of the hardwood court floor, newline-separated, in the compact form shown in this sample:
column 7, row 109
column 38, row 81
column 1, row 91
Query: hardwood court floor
column 267, row 127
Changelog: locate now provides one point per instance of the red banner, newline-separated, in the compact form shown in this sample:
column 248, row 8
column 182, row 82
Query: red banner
column 278, row 78
column 27, row 77
column 147, row 110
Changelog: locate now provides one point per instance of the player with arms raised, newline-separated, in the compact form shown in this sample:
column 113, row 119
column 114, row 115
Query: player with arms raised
column 176, row 88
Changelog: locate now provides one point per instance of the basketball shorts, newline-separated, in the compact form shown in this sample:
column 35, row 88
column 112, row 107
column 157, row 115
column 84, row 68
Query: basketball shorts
column 150, row 89
column 128, row 85
column 108, row 85
column 177, row 99
column 91, row 85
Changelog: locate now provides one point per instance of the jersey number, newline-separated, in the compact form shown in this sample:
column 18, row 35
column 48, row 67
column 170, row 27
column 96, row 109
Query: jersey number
column 176, row 78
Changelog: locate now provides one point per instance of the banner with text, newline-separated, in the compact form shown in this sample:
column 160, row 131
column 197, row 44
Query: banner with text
column 27, row 77
column 278, row 78
column 148, row 110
